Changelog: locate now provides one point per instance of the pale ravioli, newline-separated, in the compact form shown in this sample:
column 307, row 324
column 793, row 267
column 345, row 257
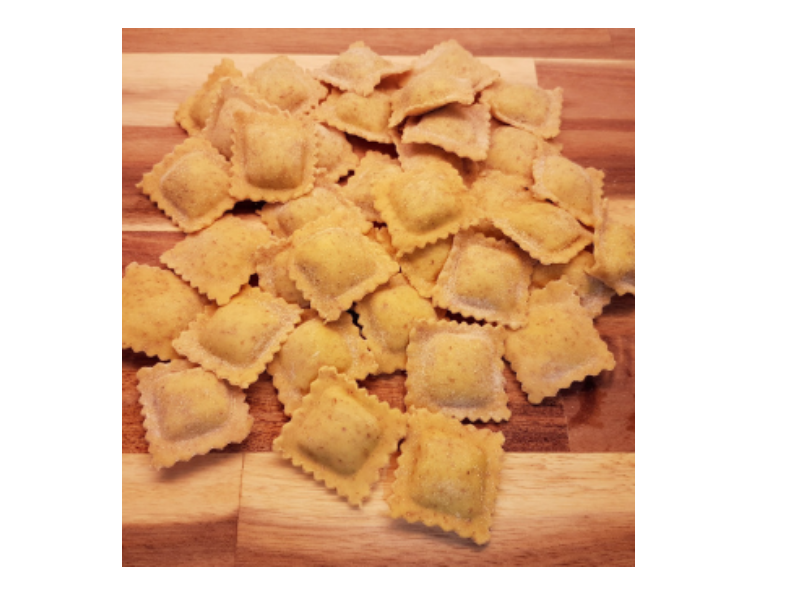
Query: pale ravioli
column 315, row 344
column 341, row 435
column 220, row 259
column 358, row 69
column 284, row 219
column 569, row 185
column 462, row 130
column 386, row 317
column 190, row 185
column 594, row 294
column 274, row 156
column 457, row 369
column 189, row 412
column 486, row 279
column 422, row 267
column 156, row 306
column 194, row 111
column 452, row 58
column 236, row 341
column 423, row 205
column 426, row 91
column 233, row 96
column 558, row 344
column 513, row 151
column 334, row 265
column 546, row 232
column 367, row 118
column 448, row 475
column 335, row 155
column 272, row 268
column 284, row 84
column 527, row 107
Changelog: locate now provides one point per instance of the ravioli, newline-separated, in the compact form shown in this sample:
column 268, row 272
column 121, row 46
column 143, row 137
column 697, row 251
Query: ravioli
column 358, row 69
column 194, row 111
column 462, row 130
column 190, row 185
column 448, row 475
column 570, row 186
column 558, row 344
column 189, row 412
column 236, row 341
column 457, row 369
column 284, row 84
column 341, row 435
column 367, row 118
column 527, row 107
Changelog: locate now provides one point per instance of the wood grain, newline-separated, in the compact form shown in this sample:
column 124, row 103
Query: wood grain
column 536, row 43
column 554, row 509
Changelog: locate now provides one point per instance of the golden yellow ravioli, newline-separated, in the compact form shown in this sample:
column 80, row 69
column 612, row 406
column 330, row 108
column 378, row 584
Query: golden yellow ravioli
column 191, row 185
column 513, row 151
column 274, row 156
column 422, row 267
column 367, row 118
column 188, row 412
column 334, row 265
column 423, row 205
column 236, row 341
column 284, row 84
column 194, row 111
column 421, row 156
column 457, row 369
column 527, row 107
column 427, row 91
column 358, row 188
column 453, row 59
column 462, row 130
column 570, row 186
column 386, row 317
column 335, row 156
column 220, row 259
column 594, row 294
column 546, row 232
column 315, row 344
column 358, row 69
column 558, row 344
column 156, row 306
column 233, row 96
column 341, row 435
column 448, row 475
column 615, row 249
column 486, row 279
column 272, row 267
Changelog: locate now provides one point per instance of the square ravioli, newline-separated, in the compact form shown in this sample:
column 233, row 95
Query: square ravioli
column 457, row 369
column 233, row 96
column 448, row 475
column 486, row 279
column 194, row 111
column 452, row 58
column 341, row 435
column 274, row 156
column 156, row 306
column 424, row 205
column 570, row 186
column 272, row 268
column 315, row 344
column 335, row 264
column 358, row 188
column 358, row 69
column 236, row 341
column 422, row 267
column 427, row 91
column 558, row 344
column 546, row 232
column 367, row 118
column 220, row 259
column 462, row 130
column 525, row 106
column 189, row 412
column 386, row 317
column 284, row 219
column 284, row 84
column 191, row 185
column 513, row 151
column 335, row 155
column 615, row 248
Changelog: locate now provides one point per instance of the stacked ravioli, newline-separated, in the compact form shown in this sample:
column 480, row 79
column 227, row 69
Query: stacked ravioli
column 415, row 218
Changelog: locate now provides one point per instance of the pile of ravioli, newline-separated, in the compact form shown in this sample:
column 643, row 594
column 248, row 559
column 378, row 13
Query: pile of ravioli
column 461, row 237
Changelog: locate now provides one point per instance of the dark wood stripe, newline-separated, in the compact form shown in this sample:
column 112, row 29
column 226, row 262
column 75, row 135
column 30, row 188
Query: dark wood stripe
column 209, row 543
column 561, row 43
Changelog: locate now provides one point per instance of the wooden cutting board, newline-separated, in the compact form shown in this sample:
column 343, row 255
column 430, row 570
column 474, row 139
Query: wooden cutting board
column 568, row 484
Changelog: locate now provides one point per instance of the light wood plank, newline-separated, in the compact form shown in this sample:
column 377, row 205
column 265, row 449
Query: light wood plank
column 153, row 85
column 554, row 509
column 594, row 43
column 185, row 515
